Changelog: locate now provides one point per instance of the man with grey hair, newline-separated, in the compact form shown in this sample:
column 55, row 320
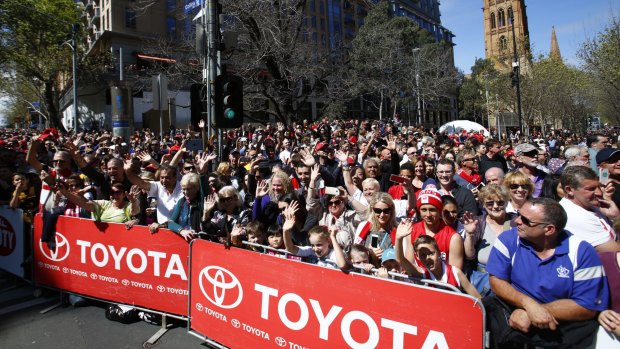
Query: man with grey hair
column 577, row 152
column 494, row 175
column 590, row 214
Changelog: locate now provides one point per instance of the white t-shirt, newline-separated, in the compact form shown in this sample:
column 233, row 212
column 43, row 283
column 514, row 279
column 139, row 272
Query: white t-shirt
column 591, row 226
column 165, row 201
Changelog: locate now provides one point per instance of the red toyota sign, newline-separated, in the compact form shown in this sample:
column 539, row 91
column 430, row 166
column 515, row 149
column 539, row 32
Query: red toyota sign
column 244, row 299
column 107, row 261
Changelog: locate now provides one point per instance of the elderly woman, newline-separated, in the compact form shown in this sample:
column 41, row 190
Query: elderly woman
column 186, row 215
column 223, row 211
column 481, row 232
column 520, row 188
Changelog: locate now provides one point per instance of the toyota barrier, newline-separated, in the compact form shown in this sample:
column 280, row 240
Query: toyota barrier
column 243, row 299
column 12, row 240
column 107, row 261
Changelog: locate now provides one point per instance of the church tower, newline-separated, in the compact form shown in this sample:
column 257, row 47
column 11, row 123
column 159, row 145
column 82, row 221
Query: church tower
column 554, row 52
column 498, row 33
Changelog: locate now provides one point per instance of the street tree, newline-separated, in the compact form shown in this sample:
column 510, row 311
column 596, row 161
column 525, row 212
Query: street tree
column 381, row 59
column 601, row 58
column 33, row 59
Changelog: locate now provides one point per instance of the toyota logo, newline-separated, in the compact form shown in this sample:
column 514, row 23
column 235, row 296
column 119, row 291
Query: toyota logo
column 220, row 287
column 62, row 249
column 280, row 341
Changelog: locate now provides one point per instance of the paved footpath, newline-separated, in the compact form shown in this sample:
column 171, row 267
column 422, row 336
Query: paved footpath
column 23, row 326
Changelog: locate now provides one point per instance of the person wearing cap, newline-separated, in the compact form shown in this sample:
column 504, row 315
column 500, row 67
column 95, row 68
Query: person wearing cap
column 590, row 210
column 596, row 142
column 329, row 168
column 609, row 159
column 527, row 163
column 450, row 243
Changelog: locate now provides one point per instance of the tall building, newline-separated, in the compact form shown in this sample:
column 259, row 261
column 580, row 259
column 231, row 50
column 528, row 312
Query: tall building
column 498, row 33
column 554, row 52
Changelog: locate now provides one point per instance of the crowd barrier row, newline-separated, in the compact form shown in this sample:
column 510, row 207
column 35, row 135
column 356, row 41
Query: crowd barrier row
column 244, row 299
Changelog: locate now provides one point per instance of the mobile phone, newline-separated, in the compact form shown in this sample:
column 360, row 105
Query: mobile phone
column 603, row 175
column 397, row 179
column 244, row 159
column 374, row 241
column 332, row 191
column 480, row 186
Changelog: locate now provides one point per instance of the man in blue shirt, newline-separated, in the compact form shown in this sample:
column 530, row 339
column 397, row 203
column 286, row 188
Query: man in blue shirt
column 548, row 284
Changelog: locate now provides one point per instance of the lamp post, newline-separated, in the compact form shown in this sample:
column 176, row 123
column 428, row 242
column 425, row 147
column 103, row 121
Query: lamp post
column 73, row 44
column 416, row 56
column 516, row 68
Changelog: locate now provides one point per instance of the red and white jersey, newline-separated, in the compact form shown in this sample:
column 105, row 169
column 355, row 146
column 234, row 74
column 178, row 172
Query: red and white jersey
column 448, row 277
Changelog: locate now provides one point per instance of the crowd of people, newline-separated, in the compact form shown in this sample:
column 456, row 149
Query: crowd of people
column 525, row 223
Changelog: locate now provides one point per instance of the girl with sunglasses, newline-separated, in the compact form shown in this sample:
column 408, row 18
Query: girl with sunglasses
column 520, row 188
column 479, row 233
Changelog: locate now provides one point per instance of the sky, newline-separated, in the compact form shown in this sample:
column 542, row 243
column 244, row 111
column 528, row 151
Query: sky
column 575, row 21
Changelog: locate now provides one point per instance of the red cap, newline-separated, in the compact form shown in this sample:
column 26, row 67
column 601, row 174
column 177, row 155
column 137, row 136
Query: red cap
column 320, row 146
column 175, row 147
column 49, row 132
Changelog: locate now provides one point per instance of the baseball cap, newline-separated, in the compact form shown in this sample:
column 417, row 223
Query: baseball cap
column 605, row 154
column 321, row 146
column 387, row 255
column 525, row 148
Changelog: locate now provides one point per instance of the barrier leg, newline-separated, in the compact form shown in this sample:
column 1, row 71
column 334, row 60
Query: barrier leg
column 162, row 330
column 60, row 303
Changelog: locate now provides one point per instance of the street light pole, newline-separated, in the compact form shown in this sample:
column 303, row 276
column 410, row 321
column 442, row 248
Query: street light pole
column 73, row 44
column 516, row 68
column 416, row 56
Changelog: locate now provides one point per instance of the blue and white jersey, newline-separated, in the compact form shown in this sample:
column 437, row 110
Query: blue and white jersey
column 574, row 271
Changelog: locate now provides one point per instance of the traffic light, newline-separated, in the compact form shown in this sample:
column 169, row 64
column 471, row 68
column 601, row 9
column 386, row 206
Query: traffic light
column 228, row 101
column 198, row 104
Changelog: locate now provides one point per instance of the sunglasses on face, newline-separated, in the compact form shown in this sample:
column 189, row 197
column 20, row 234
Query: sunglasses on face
column 528, row 221
column 116, row 192
column 189, row 168
column 471, row 159
column 517, row 186
column 335, row 203
column 379, row 211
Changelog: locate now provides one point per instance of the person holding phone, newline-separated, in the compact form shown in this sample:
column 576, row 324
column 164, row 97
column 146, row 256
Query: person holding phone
column 608, row 160
column 378, row 233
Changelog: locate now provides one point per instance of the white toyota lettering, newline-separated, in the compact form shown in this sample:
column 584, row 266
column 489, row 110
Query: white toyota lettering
column 100, row 256
column 399, row 329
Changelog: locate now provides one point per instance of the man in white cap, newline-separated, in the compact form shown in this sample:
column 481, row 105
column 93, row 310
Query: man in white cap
column 526, row 156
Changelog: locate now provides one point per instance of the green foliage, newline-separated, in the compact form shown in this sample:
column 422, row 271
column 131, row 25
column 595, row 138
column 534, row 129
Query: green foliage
column 382, row 54
column 31, row 54
column 601, row 57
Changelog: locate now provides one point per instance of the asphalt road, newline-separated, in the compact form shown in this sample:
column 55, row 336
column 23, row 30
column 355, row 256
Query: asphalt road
column 23, row 326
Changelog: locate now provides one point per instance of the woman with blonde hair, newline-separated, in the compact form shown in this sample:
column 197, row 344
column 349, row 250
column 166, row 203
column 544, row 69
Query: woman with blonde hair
column 272, row 192
column 520, row 188
column 481, row 232
column 378, row 233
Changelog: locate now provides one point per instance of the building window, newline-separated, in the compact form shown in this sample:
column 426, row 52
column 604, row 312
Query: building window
column 510, row 15
column 493, row 22
column 502, row 18
column 503, row 43
column 130, row 18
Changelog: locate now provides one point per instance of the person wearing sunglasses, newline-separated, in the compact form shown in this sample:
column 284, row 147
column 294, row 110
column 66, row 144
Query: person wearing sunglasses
column 528, row 163
column 479, row 233
column 549, row 284
column 334, row 213
column 223, row 211
column 467, row 175
column 520, row 189
column 378, row 232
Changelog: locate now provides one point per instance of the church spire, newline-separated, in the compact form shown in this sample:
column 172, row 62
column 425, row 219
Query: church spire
column 554, row 53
